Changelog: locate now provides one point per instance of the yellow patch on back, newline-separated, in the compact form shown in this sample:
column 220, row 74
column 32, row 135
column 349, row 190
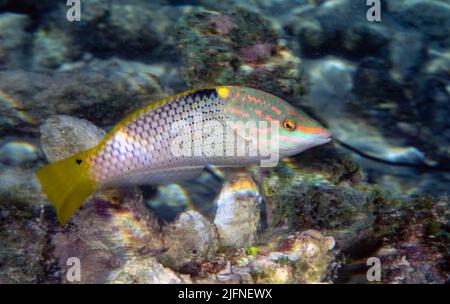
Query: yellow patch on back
column 223, row 92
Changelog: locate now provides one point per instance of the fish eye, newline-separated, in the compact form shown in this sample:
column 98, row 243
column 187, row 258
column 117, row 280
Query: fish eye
column 289, row 125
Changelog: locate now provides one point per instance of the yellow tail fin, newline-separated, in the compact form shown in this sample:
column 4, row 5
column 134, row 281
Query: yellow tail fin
column 67, row 184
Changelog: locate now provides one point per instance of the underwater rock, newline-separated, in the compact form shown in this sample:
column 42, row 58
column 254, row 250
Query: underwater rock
column 237, row 47
column 417, row 253
column 376, row 112
column 28, row 7
column 280, row 257
column 413, row 98
column 277, row 11
column 28, row 98
column 230, row 275
column 203, row 191
column 165, row 74
column 24, row 227
column 365, row 39
column 168, row 201
column 103, row 22
column 430, row 95
column 24, row 257
column 196, row 194
column 310, row 34
column 146, row 271
column 20, row 187
column 18, row 152
column 331, row 85
column 336, row 27
column 110, row 229
column 62, row 136
column 191, row 238
column 426, row 16
column 399, row 101
column 407, row 54
column 238, row 214
column 412, row 244
column 322, row 189
column 129, row 22
column 23, row 246
column 53, row 47
column 304, row 257
column 417, row 107
column 396, row 99
column 146, row 30
column 373, row 73
column 14, row 40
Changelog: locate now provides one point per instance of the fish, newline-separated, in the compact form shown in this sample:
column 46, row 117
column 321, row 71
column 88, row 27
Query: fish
column 177, row 137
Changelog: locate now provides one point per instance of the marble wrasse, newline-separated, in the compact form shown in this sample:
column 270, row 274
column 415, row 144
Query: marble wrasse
column 177, row 137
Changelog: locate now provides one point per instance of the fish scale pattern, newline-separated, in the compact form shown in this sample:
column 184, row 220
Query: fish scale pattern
column 143, row 144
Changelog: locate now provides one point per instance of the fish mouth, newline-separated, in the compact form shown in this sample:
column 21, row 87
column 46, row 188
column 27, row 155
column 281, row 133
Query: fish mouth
column 305, row 145
column 324, row 139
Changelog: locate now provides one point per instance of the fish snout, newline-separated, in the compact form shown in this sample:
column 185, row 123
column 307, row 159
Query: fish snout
column 324, row 136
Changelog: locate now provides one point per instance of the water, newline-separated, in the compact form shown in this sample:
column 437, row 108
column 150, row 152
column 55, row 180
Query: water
column 376, row 76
